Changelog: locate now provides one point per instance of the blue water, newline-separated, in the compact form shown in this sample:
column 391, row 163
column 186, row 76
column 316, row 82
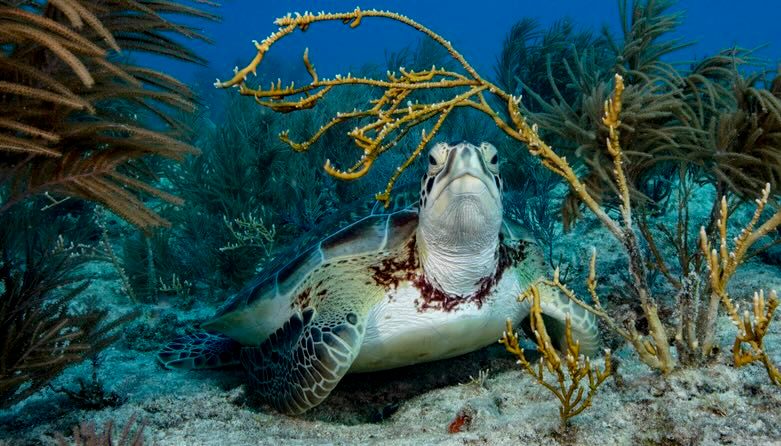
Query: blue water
column 477, row 29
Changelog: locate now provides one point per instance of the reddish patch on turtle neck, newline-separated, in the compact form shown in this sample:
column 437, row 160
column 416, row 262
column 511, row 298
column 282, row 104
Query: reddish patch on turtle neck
column 432, row 298
column 390, row 272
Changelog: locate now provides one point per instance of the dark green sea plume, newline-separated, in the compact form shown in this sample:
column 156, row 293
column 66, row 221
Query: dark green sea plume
column 41, row 274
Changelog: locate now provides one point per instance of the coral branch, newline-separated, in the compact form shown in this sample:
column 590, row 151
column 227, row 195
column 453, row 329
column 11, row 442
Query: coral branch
column 722, row 264
column 390, row 116
column 290, row 22
column 568, row 388
column 752, row 329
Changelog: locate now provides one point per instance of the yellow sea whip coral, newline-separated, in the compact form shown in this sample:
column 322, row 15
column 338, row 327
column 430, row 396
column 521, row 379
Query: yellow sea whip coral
column 569, row 369
column 392, row 115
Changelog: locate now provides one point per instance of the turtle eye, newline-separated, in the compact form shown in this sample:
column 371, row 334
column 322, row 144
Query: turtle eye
column 437, row 157
column 491, row 156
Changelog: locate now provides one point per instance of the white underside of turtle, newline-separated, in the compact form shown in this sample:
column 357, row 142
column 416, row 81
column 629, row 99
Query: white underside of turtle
column 427, row 282
column 399, row 334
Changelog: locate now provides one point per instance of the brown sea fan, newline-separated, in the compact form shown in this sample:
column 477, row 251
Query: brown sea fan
column 64, row 94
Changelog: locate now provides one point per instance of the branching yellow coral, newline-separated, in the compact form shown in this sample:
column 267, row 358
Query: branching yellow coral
column 391, row 116
column 653, row 348
column 722, row 264
column 644, row 345
column 752, row 333
column 569, row 368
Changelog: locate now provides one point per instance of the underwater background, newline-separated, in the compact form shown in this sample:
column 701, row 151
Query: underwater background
column 135, row 198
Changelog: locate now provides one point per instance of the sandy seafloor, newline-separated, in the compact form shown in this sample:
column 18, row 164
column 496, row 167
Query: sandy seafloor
column 717, row 404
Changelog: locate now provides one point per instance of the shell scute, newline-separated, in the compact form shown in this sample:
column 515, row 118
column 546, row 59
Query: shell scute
column 401, row 227
column 296, row 271
column 366, row 235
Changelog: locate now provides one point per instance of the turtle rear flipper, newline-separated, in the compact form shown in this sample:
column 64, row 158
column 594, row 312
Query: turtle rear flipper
column 299, row 365
column 555, row 308
column 200, row 350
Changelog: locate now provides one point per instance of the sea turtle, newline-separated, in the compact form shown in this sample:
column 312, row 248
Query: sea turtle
column 427, row 282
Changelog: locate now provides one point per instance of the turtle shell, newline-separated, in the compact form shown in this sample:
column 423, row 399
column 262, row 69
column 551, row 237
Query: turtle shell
column 381, row 231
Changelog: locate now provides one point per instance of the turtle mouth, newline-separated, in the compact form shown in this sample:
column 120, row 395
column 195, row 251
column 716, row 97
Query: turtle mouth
column 465, row 184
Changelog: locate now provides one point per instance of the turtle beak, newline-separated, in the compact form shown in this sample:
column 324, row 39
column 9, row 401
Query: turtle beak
column 465, row 184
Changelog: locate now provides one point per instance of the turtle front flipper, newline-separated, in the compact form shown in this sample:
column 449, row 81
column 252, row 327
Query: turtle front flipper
column 555, row 308
column 299, row 365
column 200, row 350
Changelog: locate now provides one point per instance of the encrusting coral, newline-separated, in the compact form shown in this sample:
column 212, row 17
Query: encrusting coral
column 394, row 114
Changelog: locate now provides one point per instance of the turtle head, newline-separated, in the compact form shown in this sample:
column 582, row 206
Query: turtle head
column 461, row 193
column 460, row 205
